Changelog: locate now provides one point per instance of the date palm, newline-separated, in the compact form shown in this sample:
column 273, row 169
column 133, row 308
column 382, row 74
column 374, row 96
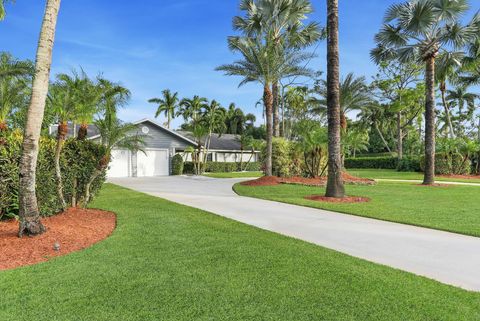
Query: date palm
column 420, row 30
column 335, row 187
column 264, row 64
column 167, row 105
column 29, row 215
column 279, row 22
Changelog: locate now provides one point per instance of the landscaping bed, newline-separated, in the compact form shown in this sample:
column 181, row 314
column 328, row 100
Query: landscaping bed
column 74, row 230
column 296, row 180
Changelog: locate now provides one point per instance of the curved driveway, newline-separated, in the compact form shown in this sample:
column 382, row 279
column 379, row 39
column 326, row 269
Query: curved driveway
column 446, row 257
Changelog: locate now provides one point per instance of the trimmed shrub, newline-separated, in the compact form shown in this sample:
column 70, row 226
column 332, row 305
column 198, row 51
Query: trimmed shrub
column 188, row 168
column 219, row 167
column 448, row 163
column 177, row 165
column 372, row 162
column 281, row 160
column 409, row 164
column 79, row 160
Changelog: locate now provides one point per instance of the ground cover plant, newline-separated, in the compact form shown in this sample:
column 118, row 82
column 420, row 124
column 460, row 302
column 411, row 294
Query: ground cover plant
column 191, row 265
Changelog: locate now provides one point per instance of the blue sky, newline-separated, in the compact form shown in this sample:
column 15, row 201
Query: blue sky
column 150, row 45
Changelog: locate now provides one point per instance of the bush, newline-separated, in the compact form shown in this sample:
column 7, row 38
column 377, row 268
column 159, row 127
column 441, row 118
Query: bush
column 177, row 165
column 372, row 162
column 281, row 157
column 409, row 164
column 79, row 159
column 219, row 167
column 449, row 163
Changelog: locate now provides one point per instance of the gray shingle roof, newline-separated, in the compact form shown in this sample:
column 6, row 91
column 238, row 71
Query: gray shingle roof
column 218, row 142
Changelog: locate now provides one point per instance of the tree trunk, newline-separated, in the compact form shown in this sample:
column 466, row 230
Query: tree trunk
column 335, row 186
column 443, row 89
column 276, row 112
column 399, row 136
column 82, row 132
column 268, row 101
column 382, row 137
column 429, row 177
column 61, row 134
column 29, row 214
column 104, row 161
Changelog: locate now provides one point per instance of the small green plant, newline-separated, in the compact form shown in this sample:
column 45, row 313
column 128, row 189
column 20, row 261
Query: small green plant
column 177, row 165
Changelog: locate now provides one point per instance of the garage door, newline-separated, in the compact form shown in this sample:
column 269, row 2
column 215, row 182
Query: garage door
column 152, row 163
column 120, row 164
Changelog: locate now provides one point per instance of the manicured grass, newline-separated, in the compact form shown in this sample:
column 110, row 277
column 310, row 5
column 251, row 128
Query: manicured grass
column 452, row 208
column 235, row 175
column 393, row 174
column 170, row 262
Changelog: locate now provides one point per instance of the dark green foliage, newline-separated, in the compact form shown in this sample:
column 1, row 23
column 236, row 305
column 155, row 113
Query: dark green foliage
column 219, row 167
column 281, row 157
column 372, row 162
column 79, row 159
column 177, row 165
column 450, row 163
column 409, row 164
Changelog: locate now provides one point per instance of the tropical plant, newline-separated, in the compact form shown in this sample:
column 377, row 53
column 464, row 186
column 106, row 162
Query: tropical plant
column 420, row 30
column 167, row 105
column 29, row 215
column 355, row 141
column 335, row 187
column 191, row 108
column 313, row 144
column 213, row 119
column 2, row 8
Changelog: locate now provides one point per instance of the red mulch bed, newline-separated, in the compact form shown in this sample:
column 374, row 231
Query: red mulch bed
column 74, row 230
column 461, row 176
column 320, row 181
column 346, row 199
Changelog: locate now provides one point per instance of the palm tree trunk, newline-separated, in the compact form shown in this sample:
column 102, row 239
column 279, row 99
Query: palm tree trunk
column 382, row 137
column 447, row 110
column 268, row 101
column 429, row 177
column 29, row 214
column 276, row 114
column 104, row 161
column 82, row 132
column 61, row 134
column 399, row 136
column 335, row 186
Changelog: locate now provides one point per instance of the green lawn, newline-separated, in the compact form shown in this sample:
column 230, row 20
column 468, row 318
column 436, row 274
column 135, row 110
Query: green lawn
column 235, row 175
column 393, row 174
column 170, row 262
column 452, row 208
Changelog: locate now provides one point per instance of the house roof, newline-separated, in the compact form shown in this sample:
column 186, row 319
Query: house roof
column 219, row 142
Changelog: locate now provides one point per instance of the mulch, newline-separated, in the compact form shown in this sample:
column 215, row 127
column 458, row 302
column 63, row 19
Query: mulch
column 346, row 199
column 73, row 230
column 319, row 181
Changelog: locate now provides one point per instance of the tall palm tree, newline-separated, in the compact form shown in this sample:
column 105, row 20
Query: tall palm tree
column 191, row 108
column 213, row 118
column 420, row 30
column 167, row 105
column 279, row 22
column 235, row 120
column 264, row 64
column 335, row 187
column 30, row 222
column 462, row 97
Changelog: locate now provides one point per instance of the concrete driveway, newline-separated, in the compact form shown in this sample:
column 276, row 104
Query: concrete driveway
column 446, row 257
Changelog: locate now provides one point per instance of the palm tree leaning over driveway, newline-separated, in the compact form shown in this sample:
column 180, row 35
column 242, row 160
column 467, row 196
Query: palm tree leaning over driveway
column 167, row 105
column 29, row 214
column 335, row 187
column 279, row 22
column 264, row 63
column 420, row 30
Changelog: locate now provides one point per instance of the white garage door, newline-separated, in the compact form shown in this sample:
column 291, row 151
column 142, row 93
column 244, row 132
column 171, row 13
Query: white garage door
column 152, row 163
column 120, row 164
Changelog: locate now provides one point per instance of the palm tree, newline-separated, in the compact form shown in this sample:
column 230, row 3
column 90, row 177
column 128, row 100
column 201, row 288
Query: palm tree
column 87, row 104
column 280, row 23
column 213, row 118
column 191, row 109
column 2, row 8
column 354, row 95
column 461, row 97
column 29, row 215
column 167, row 105
column 235, row 120
column 113, row 134
column 335, row 186
column 62, row 101
column 264, row 64
column 420, row 30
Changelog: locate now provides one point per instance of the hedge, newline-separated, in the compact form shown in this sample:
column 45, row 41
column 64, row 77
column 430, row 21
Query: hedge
column 177, row 165
column 219, row 167
column 446, row 164
column 372, row 162
column 409, row 164
column 79, row 159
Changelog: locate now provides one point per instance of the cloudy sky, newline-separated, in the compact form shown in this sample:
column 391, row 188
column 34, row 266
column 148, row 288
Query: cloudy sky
column 150, row 45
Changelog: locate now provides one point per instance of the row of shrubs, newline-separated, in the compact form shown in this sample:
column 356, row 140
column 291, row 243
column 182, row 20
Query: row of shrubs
column 444, row 164
column 217, row 167
column 78, row 161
